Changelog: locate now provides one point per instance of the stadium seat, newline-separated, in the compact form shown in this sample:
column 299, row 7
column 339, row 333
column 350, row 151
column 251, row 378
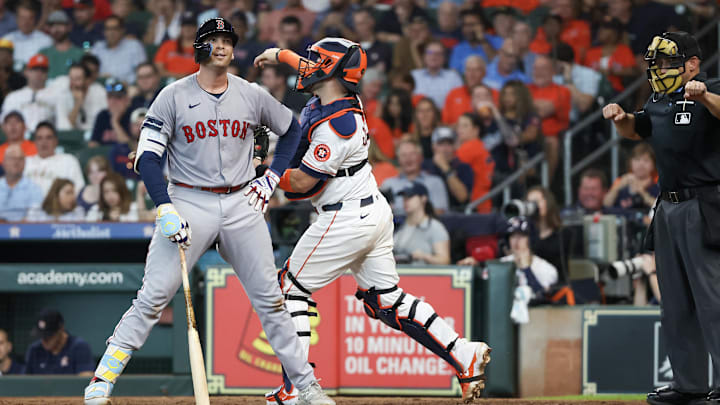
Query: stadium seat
column 72, row 140
column 583, row 269
column 86, row 153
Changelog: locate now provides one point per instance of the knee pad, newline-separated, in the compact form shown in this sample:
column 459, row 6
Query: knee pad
column 414, row 317
column 113, row 363
column 285, row 272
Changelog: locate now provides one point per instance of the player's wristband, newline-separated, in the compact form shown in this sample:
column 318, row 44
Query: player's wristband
column 285, row 181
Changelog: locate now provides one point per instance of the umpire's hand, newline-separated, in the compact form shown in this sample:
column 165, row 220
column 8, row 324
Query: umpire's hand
column 624, row 122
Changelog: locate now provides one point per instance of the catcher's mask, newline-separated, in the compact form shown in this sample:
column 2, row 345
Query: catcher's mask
column 332, row 57
column 669, row 52
column 209, row 27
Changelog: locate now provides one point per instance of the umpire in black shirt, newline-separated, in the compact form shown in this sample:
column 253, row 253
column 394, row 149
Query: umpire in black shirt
column 681, row 121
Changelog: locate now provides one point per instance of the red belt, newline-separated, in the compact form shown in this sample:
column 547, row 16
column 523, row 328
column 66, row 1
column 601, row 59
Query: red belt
column 216, row 190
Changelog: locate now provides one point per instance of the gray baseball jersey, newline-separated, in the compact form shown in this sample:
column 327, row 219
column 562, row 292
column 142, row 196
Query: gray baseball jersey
column 210, row 139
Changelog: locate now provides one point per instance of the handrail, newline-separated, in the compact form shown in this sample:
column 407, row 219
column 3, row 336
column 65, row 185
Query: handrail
column 590, row 119
column 539, row 158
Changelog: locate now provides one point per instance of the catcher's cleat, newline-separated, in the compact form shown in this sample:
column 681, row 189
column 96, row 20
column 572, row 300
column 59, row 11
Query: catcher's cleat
column 280, row 396
column 472, row 381
column 314, row 395
column 98, row 392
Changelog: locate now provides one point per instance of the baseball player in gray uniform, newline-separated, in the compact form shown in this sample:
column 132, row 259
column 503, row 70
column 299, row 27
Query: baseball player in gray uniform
column 205, row 122
column 354, row 228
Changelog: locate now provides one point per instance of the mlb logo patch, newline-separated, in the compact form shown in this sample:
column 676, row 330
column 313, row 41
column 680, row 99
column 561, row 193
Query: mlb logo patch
column 682, row 118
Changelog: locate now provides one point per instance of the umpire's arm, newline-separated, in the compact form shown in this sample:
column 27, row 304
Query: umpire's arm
column 625, row 123
column 697, row 91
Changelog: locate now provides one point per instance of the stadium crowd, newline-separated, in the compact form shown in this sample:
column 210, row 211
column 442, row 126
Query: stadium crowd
column 458, row 95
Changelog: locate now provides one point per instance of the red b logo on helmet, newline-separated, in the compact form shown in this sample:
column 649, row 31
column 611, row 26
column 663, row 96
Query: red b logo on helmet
column 220, row 24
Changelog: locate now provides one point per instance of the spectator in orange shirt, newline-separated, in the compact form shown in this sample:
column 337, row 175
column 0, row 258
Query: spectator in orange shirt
column 612, row 58
column 524, row 6
column 381, row 135
column 552, row 104
column 176, row 57
column 573, row 31
column 371, row 86
column 14, row 128
column 382, row 168
column 425, row 119
column 472, row 151
column 457, row 101
column 397, row 112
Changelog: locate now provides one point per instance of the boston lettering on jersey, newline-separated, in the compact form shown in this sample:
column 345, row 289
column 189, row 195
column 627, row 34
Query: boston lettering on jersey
column 213, row 128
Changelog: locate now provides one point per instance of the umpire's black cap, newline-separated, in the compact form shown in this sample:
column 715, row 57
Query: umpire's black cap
column 687, row 44
column 215, row 25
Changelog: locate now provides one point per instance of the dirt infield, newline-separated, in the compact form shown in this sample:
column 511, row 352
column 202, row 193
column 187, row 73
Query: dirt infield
column 339, row 400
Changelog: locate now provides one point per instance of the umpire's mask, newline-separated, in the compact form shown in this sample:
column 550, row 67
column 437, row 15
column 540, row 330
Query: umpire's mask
column 669, row 52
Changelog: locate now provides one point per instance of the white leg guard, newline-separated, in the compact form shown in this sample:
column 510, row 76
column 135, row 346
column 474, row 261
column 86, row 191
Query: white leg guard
column 112, row 363
column 299, row 309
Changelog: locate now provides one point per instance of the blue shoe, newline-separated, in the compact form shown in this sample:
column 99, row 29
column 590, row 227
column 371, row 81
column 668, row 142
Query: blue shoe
column 98, row 392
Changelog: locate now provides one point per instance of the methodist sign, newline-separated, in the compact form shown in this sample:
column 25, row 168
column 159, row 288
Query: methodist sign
column 353, row 353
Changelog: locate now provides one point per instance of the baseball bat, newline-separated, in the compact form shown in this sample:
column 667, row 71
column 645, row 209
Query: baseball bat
column 197, row 365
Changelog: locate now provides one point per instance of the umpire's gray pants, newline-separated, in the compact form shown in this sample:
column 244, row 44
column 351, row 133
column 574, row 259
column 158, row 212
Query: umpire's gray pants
column 245, row 243
column 689, row 278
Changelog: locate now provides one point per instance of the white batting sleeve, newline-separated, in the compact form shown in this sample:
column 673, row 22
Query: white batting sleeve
column 150, row 141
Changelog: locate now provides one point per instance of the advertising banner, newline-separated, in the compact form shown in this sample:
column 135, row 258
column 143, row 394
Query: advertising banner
column 53, row 277
column 353, row 353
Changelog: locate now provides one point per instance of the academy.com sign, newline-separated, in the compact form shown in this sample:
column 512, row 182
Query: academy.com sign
column 78, row 279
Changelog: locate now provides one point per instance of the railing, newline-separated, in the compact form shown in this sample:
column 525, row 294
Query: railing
column 612, row 143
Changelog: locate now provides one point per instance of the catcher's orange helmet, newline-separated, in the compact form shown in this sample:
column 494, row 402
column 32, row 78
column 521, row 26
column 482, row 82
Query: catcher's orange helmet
column 332, row 57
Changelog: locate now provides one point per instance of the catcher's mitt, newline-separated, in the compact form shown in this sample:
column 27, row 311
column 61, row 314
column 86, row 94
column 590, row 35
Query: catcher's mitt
column 262, row 142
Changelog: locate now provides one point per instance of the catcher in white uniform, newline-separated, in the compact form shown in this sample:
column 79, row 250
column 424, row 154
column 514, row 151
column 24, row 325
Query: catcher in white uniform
column 354, row 228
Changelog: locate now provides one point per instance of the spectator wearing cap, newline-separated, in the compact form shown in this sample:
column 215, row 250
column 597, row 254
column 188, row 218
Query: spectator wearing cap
column 274, row 79
column 583, row 82
column 611, row 57
column 17, row 193
column 270, row 25
column 433, row 80
column 409, row 157
column 408, row 51
column 458, row 176
column 14, row 128
column 35, row 101
column 8, row 20
column 531, row 270
column 46, row 166
column 421, row 239
column 379, row 54
column 165, row 23
column 572, row 30
column 112, row 125
column 57, row 351
column 448, row 24
column 336, row 21
column 247, row 48
column 458, row 100
column 176, row 57
column 78, row 107
column 8, row 364
column 27, row 40
column 118, row 47
column 12, row 80
column 476, row 40
column 147, row 85
column 86, row 31
column 505, row 67
column 552, row 103
column 63, row 52
column 522, row 36
column 119, row 160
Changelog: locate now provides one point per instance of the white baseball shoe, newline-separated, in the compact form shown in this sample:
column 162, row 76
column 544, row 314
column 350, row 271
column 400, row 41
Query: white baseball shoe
column 472, row 381
column 280, row 396
column 314, row 395
column 98, row 392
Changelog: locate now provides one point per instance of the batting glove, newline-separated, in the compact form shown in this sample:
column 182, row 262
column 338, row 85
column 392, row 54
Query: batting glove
column 261, row 189
column 173, row 226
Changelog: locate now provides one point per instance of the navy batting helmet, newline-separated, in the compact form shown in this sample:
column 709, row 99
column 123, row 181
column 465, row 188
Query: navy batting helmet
column 209, row 27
